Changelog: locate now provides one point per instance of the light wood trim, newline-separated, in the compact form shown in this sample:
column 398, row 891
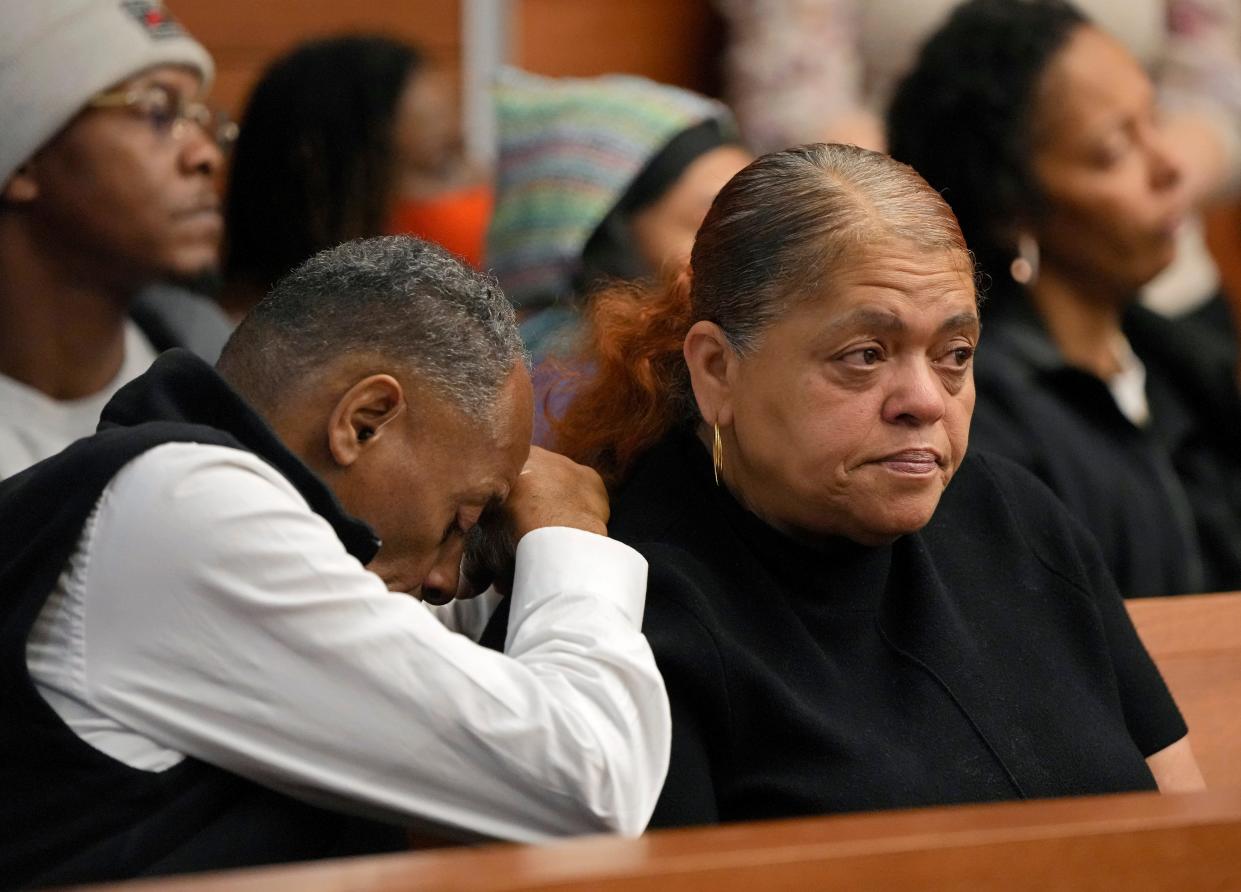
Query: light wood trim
column 1196, row 642
column 1188, row 623
column 1116, row 842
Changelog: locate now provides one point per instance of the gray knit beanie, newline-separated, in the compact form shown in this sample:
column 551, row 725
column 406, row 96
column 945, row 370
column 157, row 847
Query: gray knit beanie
column 56, row 54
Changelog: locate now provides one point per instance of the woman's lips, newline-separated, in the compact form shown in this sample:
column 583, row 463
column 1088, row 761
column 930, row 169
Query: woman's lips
column 918, row 462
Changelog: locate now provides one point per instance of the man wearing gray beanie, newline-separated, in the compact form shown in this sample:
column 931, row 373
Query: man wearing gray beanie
column 108, row 163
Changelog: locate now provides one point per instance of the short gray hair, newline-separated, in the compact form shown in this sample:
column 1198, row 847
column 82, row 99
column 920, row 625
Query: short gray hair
column 397, row 299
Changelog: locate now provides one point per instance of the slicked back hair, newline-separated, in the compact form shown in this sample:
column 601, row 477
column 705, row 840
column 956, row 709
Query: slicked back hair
column 395, row 301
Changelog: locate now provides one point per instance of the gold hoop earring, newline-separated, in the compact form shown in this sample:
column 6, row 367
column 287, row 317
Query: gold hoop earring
column 717, row 455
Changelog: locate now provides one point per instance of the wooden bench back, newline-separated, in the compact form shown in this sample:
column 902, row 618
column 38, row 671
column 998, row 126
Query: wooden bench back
column 1196, row 642
column 1128, row 841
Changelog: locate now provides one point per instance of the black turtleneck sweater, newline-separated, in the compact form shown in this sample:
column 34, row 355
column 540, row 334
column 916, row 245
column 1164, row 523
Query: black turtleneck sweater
column 987, row 657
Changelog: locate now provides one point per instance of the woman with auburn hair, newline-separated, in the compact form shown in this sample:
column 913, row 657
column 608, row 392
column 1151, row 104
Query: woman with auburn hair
column 849, row 612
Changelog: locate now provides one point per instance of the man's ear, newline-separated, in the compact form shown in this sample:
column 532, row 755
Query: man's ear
column 712, row 366
column 21, row 187
column 362, row 415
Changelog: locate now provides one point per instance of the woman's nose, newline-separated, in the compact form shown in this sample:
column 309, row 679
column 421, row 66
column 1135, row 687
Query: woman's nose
column 916, row 396
column 1165, row 166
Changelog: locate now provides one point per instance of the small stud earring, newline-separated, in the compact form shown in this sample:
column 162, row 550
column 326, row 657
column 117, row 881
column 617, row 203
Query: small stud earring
column 1024, row 268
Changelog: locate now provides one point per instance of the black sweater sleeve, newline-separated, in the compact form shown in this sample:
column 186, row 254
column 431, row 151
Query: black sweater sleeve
column 689, row 659
column 1150, row 713
column 1152, row 716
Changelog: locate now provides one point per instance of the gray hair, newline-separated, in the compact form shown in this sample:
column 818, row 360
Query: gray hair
column 781, row 228
column 395, row 299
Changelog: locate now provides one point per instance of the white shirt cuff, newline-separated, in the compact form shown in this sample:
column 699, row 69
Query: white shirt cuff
column 556, row 561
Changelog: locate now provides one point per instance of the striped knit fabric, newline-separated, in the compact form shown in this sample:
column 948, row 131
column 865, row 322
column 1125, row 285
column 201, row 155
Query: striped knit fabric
column 569, row 148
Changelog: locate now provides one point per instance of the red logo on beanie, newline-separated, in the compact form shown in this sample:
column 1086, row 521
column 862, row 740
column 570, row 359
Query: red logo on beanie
column 154, row 18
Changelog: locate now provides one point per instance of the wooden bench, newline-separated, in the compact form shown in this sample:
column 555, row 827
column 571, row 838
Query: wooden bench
column 1129, row 841
column 1196, row 642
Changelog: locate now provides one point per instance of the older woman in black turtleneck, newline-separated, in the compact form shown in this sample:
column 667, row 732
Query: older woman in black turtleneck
column 851, row 613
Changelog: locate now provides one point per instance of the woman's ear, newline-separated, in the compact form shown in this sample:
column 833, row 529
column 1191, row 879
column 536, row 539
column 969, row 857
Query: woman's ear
column 362, row 416
column 712, row 370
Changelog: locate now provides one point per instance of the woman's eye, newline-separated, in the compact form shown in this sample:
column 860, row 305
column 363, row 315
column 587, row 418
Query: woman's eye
column 959, row 357
column 864, row 356
column 1111, row 150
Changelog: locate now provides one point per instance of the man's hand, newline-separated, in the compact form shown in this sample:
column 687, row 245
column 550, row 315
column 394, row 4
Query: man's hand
column 551, row 491
column 554, row 491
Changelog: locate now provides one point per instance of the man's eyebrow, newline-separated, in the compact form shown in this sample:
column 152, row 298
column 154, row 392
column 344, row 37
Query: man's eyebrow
column 960, row 322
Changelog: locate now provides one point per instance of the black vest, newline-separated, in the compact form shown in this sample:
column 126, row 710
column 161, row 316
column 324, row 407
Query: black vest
column 68, row 812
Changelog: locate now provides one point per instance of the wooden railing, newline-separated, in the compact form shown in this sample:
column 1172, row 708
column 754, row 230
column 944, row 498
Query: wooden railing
column 1196, row 642
column 1132, row 841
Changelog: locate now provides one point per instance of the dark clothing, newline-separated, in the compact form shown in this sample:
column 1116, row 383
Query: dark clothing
column 70, row 813
column 171, row 316
column 1164, row 500
column 986, row 657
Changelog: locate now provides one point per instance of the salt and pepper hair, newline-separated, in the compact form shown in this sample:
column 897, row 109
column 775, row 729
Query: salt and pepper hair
column 397, row 302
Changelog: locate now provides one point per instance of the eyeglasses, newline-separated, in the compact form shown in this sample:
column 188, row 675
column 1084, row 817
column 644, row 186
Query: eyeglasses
column 169, row 114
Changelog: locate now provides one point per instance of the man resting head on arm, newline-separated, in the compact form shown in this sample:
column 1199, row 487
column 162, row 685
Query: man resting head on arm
column 221, row 663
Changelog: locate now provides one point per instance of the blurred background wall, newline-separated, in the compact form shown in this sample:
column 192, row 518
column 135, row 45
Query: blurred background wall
column 675, row 41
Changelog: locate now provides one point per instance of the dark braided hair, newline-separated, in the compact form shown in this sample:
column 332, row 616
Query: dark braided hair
column 313, row 165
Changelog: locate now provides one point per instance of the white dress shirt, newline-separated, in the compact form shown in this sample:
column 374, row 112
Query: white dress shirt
column 209, row 612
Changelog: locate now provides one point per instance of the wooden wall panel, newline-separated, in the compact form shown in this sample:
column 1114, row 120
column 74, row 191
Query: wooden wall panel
column 1223, row 225
column 674, row 41
column 245, row 35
